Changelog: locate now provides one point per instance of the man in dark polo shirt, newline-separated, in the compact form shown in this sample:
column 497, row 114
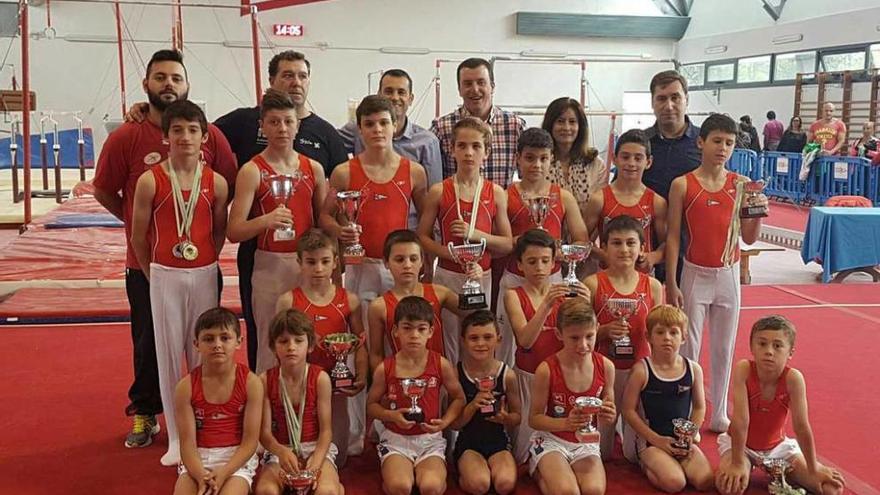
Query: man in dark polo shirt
column 289, row 71
column 673, row 139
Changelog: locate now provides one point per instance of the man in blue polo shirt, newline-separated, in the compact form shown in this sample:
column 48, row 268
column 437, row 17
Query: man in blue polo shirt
column 673, row 139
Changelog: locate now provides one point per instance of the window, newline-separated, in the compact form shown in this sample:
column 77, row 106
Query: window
column 637, row 110
column 875, row 56
column 789, row 65
column 753, row 69
column 720, row 72
column 694, row 74
column 833, row 62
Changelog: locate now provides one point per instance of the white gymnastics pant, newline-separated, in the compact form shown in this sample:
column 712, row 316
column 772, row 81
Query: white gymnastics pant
column 274, row 274
column 451, row 322
column 713, row 294
column 178, row 296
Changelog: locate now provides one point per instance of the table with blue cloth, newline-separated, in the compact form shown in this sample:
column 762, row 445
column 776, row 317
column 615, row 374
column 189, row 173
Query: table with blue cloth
column 844, row 241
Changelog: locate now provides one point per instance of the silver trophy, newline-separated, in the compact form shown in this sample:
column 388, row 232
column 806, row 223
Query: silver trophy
column 471, row 295
column 414, row 388
column 487, row 384
column 777, row 469
column 684, row 431
column 573, row 254
column 282, row 187
column 300, row 482
column 539, row 208
column 622, row 309
column 589, row 433
column 349, row 203
column 340, row 345
column 751, row 192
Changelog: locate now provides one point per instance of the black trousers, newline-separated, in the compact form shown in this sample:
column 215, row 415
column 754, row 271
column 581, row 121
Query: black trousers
column 144, row 392
column 245, row 261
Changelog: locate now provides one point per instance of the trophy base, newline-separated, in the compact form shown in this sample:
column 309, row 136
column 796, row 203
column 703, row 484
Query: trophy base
column 490, row 410
column 343, row 382
column 587, row 437
column 416, row 417
column 352, row 259
column 753, row 212
column 623, row 352
column 469, row 302
column 284, row 235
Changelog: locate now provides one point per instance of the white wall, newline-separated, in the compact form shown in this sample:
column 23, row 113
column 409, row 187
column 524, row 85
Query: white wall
column 84, row 76
column 747, row 30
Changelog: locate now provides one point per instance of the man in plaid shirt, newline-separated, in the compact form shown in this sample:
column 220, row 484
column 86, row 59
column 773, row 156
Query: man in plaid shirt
column 476, row 86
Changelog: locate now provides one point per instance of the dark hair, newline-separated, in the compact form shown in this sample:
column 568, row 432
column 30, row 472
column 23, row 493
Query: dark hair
column 771, row 115
column 775, row 322
column 623, row 223
column 800, row 121
column 475, row 124
column 575, row 311
column 183, row 110
column 478, row 318
column 747, row 119
column 395, row 73
column 166, row 56
column 313, row 240
column 287, row 56
column 474, row 63
column 581, row 151
column 635, row 136
column 667, row 77
column 217, row 317
column 534, row 137
column 275, row 100
column 534, row 237
column 718, row 122
column 402, row 236
column 374, row 104
column 294, row 322
column 414, row 308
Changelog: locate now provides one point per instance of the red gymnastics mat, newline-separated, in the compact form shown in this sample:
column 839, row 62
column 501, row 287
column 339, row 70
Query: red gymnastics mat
column 83, row 305
column 65, row 389
column 74, row 254
column 788, row 216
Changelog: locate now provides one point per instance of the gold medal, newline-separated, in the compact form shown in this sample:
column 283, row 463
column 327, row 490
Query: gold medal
column 189, row 250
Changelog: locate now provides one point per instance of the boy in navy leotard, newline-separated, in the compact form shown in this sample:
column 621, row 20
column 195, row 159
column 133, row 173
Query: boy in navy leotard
column 482, row 450
column 661, row 388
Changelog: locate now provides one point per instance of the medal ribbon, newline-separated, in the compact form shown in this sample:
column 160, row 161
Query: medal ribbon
column 185, row 209
column 474, row 206
column 733, row 231
column 291, row 416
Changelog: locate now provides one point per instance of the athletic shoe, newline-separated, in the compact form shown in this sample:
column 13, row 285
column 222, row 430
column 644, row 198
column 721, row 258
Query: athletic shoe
column 143, row 428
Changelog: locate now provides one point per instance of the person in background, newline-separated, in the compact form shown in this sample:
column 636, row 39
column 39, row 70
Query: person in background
column 829, row 131
column 794, row 139
column 773, row 131
column 866, row 145
column 745, row 123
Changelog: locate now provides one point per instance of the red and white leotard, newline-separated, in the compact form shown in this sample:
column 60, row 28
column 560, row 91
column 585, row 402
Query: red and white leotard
column 436, row 342
column 560, row 399
column 430, row 402
column 300, row 205
column 162, row 236
column 309, row 431
column 448, row 213
column 707, row 215
column 219, row 425
column 637, row 333
column 766, row 418
column 332, row 318
column 545, row 345
column 384, row 207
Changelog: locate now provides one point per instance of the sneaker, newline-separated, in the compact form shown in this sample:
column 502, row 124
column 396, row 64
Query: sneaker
column 143, row 428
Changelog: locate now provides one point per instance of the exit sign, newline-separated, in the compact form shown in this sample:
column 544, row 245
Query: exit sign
column 288, row 29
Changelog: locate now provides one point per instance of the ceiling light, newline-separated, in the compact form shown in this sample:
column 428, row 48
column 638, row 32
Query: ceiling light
column 711, row 50
column 788, row 38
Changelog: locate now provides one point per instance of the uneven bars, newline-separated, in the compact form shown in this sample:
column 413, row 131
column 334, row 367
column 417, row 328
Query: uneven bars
column 171, row 3
column 26, row 108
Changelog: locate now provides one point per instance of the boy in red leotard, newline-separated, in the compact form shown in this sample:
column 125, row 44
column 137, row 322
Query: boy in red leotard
column 256, row 213
column 561, row 461
column 219, row 408
column 765, row 391
column 296, row 429
column 411, row 446
column 530, row 318
column 177, row 231
column 468, row 209
column 702, row 203
column 332, row 310
column 628, row 196
column 389, row 184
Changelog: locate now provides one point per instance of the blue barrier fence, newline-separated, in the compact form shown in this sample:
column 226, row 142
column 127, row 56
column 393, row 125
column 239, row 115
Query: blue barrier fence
column 828, row 176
